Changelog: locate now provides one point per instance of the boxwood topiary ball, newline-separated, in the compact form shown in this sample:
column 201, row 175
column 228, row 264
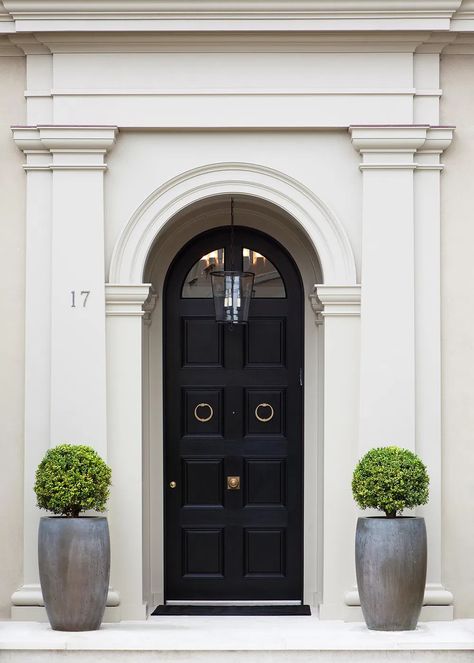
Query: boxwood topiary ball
column 390, row 479
column 72, row 478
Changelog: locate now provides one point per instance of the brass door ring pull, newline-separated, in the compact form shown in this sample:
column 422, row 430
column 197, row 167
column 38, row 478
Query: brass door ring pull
column 203, row 419
column 264, row 419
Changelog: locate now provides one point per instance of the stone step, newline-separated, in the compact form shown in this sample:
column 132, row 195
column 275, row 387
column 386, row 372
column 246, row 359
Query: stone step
column 235, row 639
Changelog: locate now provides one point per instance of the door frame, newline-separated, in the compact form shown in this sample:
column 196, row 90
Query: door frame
column 291, row 237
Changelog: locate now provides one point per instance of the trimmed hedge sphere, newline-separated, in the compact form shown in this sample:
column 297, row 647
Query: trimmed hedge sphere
column 72, row 478
column 390, row 479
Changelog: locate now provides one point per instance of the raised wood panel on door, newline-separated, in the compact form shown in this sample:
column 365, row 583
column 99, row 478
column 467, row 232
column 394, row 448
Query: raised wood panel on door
column 233, row 407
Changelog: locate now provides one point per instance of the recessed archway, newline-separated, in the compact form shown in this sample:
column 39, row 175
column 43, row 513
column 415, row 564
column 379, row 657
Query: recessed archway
column 204, row 215
column 154, row 234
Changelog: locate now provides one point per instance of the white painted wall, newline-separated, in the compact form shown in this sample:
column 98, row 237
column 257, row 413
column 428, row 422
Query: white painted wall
column 12, row 307
column 457, row 81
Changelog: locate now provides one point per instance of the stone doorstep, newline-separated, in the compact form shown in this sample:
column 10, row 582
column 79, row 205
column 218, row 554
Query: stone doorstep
column 232, row 639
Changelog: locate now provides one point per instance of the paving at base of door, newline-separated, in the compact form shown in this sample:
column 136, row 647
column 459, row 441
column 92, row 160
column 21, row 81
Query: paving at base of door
column 232, row 639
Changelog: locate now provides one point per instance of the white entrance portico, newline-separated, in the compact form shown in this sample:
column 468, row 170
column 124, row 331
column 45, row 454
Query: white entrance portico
column 338, row 163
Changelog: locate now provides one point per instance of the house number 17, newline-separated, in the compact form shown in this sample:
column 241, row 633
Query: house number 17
column 78, row 298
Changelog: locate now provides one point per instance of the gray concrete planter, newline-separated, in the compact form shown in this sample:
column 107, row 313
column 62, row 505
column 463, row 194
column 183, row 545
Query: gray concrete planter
column 391, row 571
column 74, row 566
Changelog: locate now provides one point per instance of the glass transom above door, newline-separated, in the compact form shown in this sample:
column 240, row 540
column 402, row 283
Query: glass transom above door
column 268, row 281
column 197, row 283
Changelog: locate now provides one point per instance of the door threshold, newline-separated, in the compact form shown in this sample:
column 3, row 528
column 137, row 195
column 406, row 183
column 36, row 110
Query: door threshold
column 234, row 603
column 234, row 610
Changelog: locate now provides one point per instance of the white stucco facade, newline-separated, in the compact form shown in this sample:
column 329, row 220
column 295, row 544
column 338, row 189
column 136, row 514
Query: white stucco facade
column 328, row 122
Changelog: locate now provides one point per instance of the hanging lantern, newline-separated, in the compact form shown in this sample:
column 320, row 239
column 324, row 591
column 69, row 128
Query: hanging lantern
column 232, row 292
column 232, row 289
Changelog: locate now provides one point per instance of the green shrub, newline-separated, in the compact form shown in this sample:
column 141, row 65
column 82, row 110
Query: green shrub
column 72, row 478
column 390, row 479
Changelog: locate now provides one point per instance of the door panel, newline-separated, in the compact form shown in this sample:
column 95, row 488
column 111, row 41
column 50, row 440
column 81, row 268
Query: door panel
column 233, row 428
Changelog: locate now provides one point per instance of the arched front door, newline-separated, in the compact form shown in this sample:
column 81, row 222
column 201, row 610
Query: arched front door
column 233, row 427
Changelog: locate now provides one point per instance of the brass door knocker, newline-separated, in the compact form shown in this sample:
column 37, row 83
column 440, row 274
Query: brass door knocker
column 264, row 419
column 203, row 419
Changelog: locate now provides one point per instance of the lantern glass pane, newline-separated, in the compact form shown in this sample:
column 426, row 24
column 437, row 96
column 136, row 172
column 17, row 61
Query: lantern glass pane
column 232, row 292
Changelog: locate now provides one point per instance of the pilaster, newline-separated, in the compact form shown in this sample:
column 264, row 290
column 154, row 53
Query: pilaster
column 65, row 397
column 400, row 312
column 387, row 407
column 37, row 333
column 341, row 314
column 125, row 310
column 428, row 350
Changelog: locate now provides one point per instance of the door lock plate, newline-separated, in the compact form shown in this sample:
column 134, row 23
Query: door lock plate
column 233, row 483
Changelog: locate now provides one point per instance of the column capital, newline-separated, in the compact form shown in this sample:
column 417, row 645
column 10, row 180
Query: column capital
column 339, row 300
column 396, row 147
column 126, row 299
column 68, row 147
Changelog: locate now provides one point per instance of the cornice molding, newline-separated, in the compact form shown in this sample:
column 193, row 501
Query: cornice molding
column 463, row 19
column 397, row 147
column 339, row 300
column 7, row 48
column 407, row 138
column 287, row 8
column 256, row 41
column 231, row 16
column 228, row 15
column 71, row 148
column 127, row 299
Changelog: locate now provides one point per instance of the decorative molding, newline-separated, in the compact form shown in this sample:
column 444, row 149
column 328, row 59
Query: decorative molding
column 388, row 165
column 126, row 299
column 249, row 41
column 339, row 300
column 53, row 17
column 226, row 92
column 320, row 224
column 461, row 43
column 29, row 44
column 7, row 49
column 149, row 306
column 434, row 595
column 397, row 147
column 402, row 139
column 424, row 14
column 31, row 595
column 317, row 306
column 463, row 19
column 71, row 147
column 438, row 139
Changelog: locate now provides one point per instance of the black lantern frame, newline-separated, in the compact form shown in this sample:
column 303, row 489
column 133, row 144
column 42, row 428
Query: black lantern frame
column 232, row 289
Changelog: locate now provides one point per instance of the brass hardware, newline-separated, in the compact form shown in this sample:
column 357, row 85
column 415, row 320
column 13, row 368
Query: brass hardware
column 203, row 419
column 172, row 484
column 233, row 483
column 264, row 419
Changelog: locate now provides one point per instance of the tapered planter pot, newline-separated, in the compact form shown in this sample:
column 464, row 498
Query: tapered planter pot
column 391, row 571
column 74, row 566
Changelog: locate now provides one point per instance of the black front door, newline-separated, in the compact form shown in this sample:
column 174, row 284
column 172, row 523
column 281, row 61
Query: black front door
column 233, row 427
